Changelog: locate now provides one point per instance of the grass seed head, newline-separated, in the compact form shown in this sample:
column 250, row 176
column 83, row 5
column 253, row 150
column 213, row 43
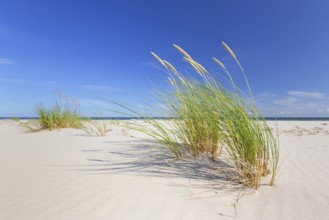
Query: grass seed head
column 159, row 59
column 229, row 50
column 185, row 54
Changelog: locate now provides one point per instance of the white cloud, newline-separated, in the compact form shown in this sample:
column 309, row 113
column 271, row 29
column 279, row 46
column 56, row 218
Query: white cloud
column 97, row 88
column 311, row 95
column 283, row 112
column 4, row 61
column 286, row 101
column 27, row 82
column 294, row 103
column 93, row 102
column 267, row 94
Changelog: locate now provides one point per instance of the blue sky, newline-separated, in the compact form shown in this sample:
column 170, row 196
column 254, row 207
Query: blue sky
column 90, row 48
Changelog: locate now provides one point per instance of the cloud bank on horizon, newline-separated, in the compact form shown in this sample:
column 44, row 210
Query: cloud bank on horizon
column 294, row 104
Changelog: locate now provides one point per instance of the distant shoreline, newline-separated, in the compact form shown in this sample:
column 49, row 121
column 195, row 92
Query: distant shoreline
column 162, row 118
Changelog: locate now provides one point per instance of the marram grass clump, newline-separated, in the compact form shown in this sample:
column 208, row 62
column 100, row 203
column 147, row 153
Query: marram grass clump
column 209, row 118
column 64, row 114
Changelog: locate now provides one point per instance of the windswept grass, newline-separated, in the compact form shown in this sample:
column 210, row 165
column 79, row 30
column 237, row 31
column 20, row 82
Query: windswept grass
column 212, row 119
column 64, row 114
column 30, row 125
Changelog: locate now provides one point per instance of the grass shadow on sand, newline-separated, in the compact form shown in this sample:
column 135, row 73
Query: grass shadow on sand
column 149, row 159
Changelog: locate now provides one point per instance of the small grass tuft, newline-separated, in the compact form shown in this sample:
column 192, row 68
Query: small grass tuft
column 64, row 114
column 96, row 128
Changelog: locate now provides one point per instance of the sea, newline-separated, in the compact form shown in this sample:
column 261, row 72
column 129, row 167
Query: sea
column 164, row 118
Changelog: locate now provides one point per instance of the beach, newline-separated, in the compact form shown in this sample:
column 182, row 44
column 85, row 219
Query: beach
column 65, row 174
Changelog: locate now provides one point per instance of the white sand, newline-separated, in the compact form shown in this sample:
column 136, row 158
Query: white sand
column 67, row 175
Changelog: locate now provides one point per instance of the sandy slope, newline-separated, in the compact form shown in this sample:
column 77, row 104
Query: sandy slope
column 67, row 175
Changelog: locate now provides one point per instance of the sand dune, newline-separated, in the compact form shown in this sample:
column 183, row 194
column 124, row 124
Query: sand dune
column 68, row 175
